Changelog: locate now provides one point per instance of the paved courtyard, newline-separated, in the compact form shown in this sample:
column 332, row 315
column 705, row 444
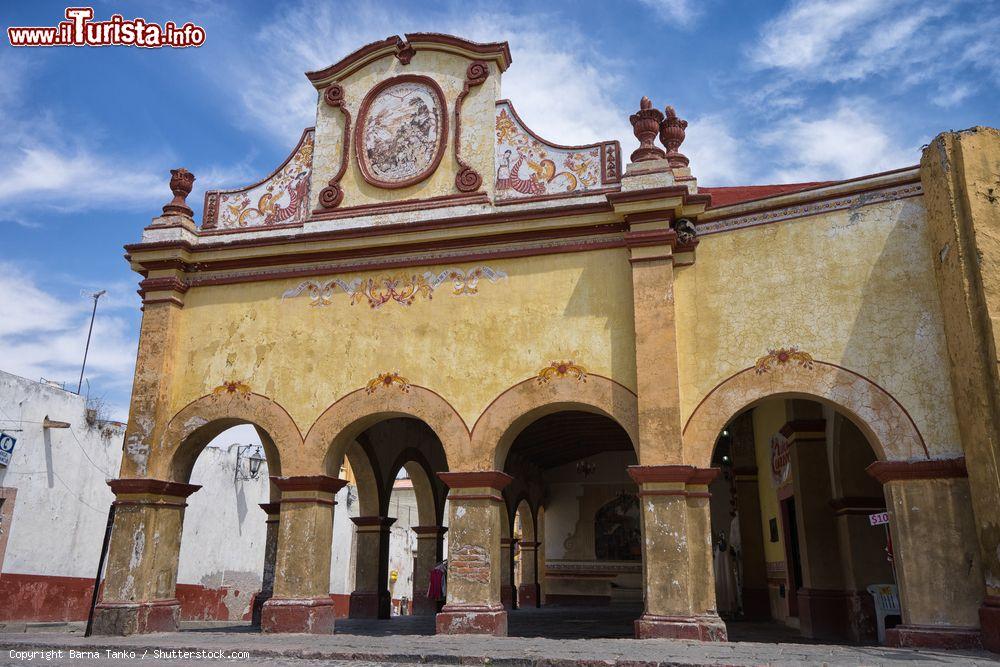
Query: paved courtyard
column 548, row 637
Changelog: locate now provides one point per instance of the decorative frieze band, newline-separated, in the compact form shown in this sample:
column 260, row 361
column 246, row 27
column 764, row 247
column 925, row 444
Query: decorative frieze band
column 810, row 208
column 401, row 289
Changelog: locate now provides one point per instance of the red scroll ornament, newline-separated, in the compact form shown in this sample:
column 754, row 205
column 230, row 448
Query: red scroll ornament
column 332, row 195
column 467, row 179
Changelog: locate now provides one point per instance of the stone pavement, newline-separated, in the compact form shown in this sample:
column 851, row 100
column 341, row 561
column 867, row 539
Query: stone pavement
column 306, row 650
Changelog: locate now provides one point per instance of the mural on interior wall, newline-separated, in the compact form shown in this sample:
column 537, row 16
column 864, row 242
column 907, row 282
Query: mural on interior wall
column 616, row 529
column 401, row 132
column 401, row 289
column 528, row 166
column 281, row 198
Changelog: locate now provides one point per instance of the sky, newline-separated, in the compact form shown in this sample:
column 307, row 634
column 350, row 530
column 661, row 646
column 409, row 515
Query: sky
column 782, row 91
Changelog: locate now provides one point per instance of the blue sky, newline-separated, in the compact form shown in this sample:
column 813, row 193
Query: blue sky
column 774, row 92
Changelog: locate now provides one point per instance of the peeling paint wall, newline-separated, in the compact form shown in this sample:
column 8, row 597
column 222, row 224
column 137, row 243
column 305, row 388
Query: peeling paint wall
column 62, row 500
column 853, row 287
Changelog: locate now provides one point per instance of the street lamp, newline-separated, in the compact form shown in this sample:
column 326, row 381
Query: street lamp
column 248, row 465
column 95, row 296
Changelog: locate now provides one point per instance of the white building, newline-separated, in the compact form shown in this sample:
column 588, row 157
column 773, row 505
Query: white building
column 54, row 503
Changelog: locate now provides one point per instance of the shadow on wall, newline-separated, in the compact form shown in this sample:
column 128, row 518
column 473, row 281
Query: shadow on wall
column 899, row 322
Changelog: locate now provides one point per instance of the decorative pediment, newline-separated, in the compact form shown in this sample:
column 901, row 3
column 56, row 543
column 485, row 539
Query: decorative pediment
column 529, row 167
column 282, row 198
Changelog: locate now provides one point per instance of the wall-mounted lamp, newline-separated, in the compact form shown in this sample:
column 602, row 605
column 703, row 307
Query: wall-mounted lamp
column 248, row 461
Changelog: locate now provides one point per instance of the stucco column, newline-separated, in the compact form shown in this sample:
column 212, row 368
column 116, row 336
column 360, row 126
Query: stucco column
column 474, row 531
column 429, row 552
column 370, row 598
column 679, row 587
column 527, row 591
column 650, row 246
column 140, row 588
column 301, row 600
column 936, row 554
column 507, row 571
column 756, row 599
column 958, row 172
column 273, row 513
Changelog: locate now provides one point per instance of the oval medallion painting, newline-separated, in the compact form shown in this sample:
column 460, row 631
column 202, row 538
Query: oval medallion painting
column 402, row 131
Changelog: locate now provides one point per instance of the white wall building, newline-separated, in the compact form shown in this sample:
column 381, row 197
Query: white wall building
column 54, row 503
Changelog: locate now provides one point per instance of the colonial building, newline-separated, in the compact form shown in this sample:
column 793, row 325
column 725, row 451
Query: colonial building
column 600, row 370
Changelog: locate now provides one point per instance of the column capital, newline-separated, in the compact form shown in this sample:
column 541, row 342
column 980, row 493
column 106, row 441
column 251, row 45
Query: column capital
column 481, row 479
column 373, row 523
column 508, row 541
column 322, row 483
column 272, row 509
column 429, row 531
column 530, row 546
column 804, row 429
column 894, row 471
column 144, row 491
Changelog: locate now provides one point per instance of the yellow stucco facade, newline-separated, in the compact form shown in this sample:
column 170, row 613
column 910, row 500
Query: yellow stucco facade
column 483, row 284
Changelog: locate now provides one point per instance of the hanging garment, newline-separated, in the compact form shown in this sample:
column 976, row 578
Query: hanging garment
column 435, row 590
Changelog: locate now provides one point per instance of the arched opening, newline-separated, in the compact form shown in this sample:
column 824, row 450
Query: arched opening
column 225, row 567
column 798, row 527
column 574, row 574
column 394, row 534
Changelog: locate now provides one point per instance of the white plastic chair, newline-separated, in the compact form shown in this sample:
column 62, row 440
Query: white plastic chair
column 886, row 604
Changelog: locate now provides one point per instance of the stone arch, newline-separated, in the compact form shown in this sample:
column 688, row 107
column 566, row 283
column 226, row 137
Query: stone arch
column 368, row 480
column 517, row 407
column 524, row 509
column 345, row 420
column 194, row 426
column 429, row 510
column 880, row 417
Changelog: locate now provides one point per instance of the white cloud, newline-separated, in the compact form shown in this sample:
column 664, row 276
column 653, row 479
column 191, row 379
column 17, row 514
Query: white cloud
column 43, row 335
column 678, row 12
column 717, row 156
column 552, row 61
column 851, row 141
column 911, row 41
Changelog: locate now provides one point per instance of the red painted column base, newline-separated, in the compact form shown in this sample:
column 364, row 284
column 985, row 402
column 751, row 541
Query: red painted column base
column 703, row 628
column 932, row 636
column 472, row 620
column 507, row 596
column 989, row 619
column 303, row 615
column 131, row 618
column 528, row 595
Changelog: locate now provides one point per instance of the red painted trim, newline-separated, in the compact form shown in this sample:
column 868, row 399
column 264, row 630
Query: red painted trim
column 272, row 509
column 359, row 131
column 825, row 363
column 383, row 522
column 500, row 51
column 309, row 483
column 472, row 220
column 796, row 188
column 893, row 471
column 400, row 206
column 152, row 486
column 406, row 262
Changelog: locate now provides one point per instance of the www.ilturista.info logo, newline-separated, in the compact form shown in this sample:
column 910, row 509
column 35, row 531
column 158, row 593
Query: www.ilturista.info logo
column 80, row 30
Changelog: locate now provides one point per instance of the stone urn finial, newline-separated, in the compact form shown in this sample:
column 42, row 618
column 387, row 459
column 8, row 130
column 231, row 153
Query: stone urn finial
column 645, row 125
column 181, row 182
column 672, row 136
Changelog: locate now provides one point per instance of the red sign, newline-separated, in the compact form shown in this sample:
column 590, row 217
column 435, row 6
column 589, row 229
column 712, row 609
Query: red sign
column 780, row 459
